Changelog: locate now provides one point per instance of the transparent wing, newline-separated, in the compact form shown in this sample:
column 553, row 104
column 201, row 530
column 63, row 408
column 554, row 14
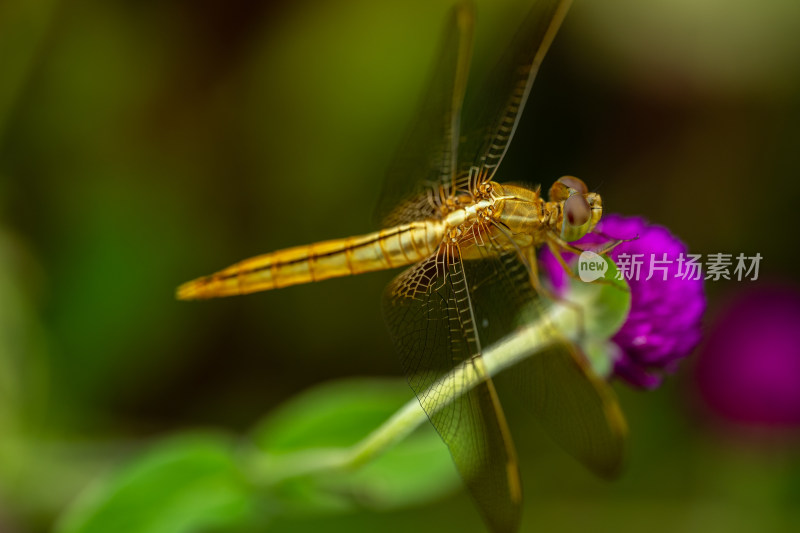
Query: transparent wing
column 577, row 408
column 440, row 313
column 447, row 150
column 491, row 115
column 433, row 327
column 426, row 160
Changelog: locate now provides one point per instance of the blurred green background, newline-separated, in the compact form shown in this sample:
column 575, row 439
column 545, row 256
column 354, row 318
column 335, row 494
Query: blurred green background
column 145, row 143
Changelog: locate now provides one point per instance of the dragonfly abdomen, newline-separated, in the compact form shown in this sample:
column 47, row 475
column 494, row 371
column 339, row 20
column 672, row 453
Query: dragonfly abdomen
column 388, row 248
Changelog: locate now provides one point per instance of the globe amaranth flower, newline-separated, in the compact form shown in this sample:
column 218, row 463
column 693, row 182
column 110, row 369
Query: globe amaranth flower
column 748, row 370
column 664, row 323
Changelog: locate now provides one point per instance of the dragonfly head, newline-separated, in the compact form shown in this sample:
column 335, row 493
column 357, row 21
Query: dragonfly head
column 580, row 209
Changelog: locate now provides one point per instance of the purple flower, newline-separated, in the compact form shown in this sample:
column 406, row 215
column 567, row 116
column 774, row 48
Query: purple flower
column 748, row 370
column 664, row 323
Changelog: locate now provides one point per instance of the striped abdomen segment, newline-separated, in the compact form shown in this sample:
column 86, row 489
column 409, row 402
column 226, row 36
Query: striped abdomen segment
column 388, row 248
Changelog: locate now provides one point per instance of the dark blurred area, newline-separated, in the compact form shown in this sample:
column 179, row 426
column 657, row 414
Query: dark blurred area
column 143, row 144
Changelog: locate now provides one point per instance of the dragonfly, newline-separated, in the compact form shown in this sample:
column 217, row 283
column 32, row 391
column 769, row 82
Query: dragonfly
column 469, row 246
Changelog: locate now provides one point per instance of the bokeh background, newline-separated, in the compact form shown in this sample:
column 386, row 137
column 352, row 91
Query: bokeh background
column 146, row 143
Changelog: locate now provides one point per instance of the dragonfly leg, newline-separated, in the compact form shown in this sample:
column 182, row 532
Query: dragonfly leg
column 607, row 247
column 548, row 293
column 556, row 244
column 564, row 245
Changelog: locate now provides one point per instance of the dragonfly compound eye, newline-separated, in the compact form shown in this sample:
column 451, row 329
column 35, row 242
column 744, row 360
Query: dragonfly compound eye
column 574, row 183
column 577, row 218
column 576, row 210
column 565, row 187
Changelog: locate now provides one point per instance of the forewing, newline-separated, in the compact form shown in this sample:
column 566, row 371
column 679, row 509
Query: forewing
column 426, row 160
column 577, row 408
column 433, row 327
column 491, row 115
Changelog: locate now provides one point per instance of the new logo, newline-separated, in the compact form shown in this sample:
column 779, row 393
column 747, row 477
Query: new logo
column 591, row 266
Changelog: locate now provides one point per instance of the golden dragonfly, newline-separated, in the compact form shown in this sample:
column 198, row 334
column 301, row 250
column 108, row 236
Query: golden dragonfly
column 470, row 246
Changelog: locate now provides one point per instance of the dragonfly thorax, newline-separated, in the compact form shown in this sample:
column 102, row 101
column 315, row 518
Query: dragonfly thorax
column 569, row 214
column 520, row 211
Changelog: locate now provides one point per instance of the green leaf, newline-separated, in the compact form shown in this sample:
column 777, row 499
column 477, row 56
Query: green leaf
column 338, row 415
column 601, row 355
column 335, row 414
column 186, row 484
column 416, row 471
column 606, row 303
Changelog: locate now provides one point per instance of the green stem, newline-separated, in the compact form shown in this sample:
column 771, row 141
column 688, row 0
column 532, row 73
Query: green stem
column 559, row 321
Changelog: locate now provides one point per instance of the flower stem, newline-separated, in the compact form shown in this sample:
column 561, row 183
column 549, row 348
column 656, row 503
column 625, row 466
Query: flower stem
column 558, row 322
